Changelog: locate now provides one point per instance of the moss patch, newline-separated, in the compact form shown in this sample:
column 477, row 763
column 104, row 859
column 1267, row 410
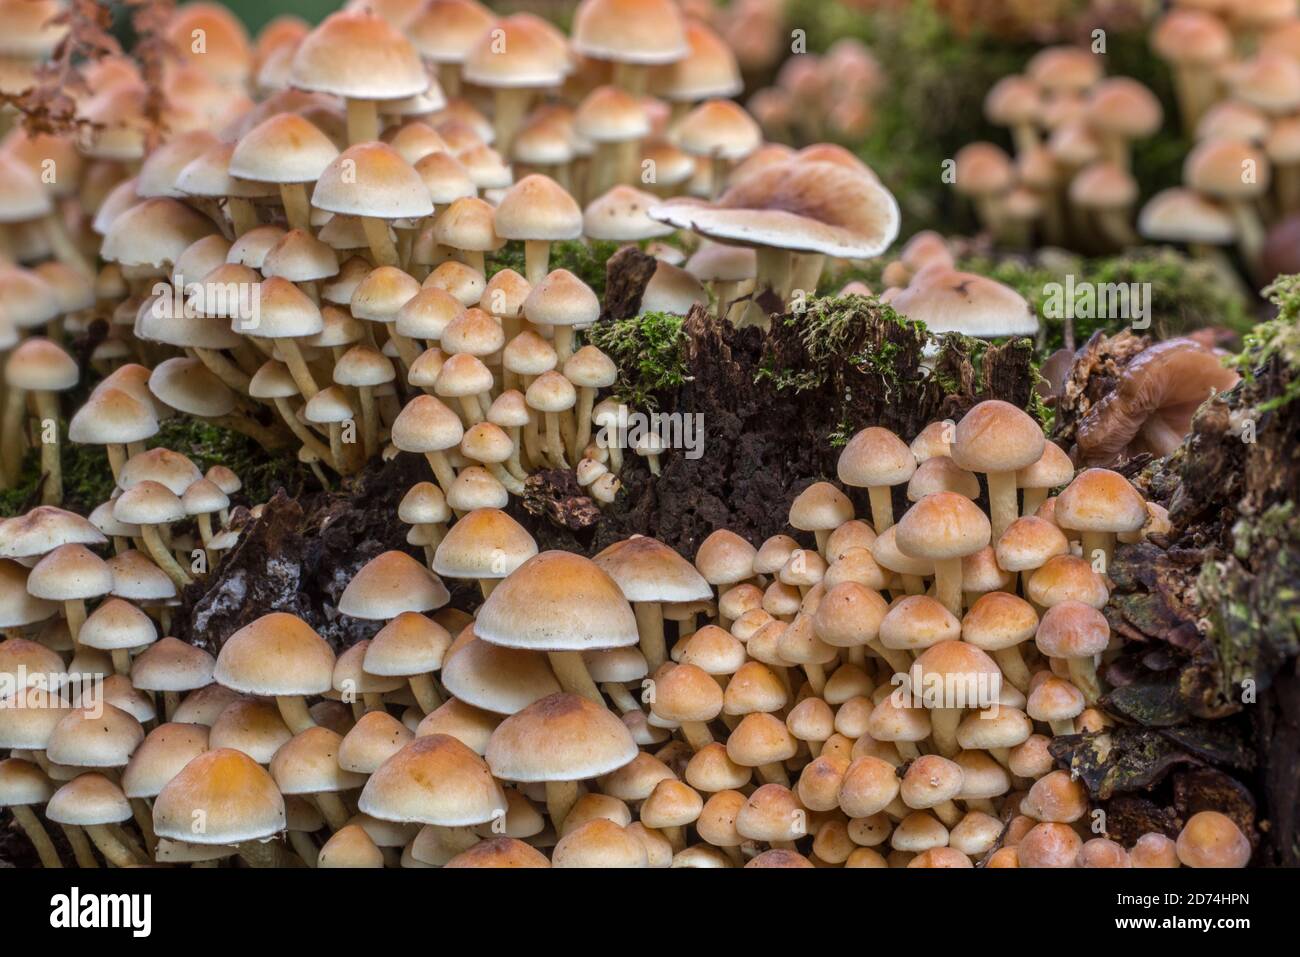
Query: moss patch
column 650, row 352
column 586, row 260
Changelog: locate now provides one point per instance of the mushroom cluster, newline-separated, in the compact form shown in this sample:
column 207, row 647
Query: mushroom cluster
column 1236, row 70
column 819, row 97
column 319, row 267
column 1073, row 129
column 884, row 694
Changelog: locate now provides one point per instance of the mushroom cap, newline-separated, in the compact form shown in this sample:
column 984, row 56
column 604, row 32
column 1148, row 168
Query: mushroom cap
column 154, row 233
column 725, row 558
column 562, row 299
column 39, row 365
column 1187, row 36
column 354, row 53
column 518, row 52
column 600, row 843
column 389, row 584
column 630, row 31
column 98, row 736
column 372, row 179
column 1072, row 629
column 172, row 665
column 687, row 693
column 443, row 31
column 500, row 852
column 434, row 779
column 1028, row 543
column 947, row 300
column 43, row 529
column 112, row 416
column 426, row 425
column 284, row 148
column 1152, row 405
column 998, row 620
column 484, row 544
column 557, row 601
column 1211, row 839
column 943, row 525
column 1049, row 845
column 996, row 436
column 1214, row 167
column 161, row 756
column 493, row 678
column 800, row 205
column 537, row 208
column 622, row 215
column 645, row 569
column 70, row 573
column 22, row 783
column 278, row 654
column 117, row 624
column 916, row 622
column 875, row 456
column 308, row 764
column 718, row 129
column 562, row 737
column 238, row 800
column 88, row 800
column 1099, row 500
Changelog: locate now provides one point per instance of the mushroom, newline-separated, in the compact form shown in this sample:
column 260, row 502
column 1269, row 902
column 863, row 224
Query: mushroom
column 998, row 439
column 1152, row 405
column 944, row 527
column 877, row 459
column 42, row 368
column 277, row 655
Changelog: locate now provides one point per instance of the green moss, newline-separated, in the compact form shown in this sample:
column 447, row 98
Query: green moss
column 88, row 479
column 650, row 352
column 1186, row 293
column 829, row 331
column 585, row 259
column 260, row 470
column 1278, row 339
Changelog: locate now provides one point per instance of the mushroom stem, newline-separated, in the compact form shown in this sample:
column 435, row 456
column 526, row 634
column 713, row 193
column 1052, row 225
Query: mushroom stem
column 1250, row 234
column 1003, row 507
column 225, row 370
column 560, row 798
column 943, row 728
column 1062, row 726
column 537, row 258
column 85, row 857
column 11, row 435
column 620, row 696
column 571, row 671
column 298, row 367
column 1013, row 667
column 586, row 402
column 947, row 583
column 472, row 411
column 63, row 247
column 303, row 846
column 47, row 410
column 36, row 833
column 1083, row 675
column 426, row 693
column 293, row 708
column 808, row 273
column 1094, row 542
column 144, row 821
column 449, row 79
column 303, row 434
column 114, row 851
column 162, row 556
column 122, row 661
column 331, row 807
column 554, row 440
column 297, row 209
column 442, row 470
column 369, row 422
column 510, row 108
column 773, row 271
column 774, row 773
column 697, row 735
column 243, row 215
column 1033, row 497
column 882, row 507
column 381, row 243
column 116, row 458
column 171, row 701
column 74, row 612
column 363, row 121
column 650, row 626
column 563, row 343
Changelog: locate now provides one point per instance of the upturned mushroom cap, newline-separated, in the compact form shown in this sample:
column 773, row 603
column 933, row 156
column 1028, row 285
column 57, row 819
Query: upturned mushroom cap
column 389, row 584
column 433, row 780
column 557, row 601
column 1152, row 406
column 238, row 800
column 354, row 53
column 278, row 654
column 562, row 737
column 806, row 206
column 645, row 569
